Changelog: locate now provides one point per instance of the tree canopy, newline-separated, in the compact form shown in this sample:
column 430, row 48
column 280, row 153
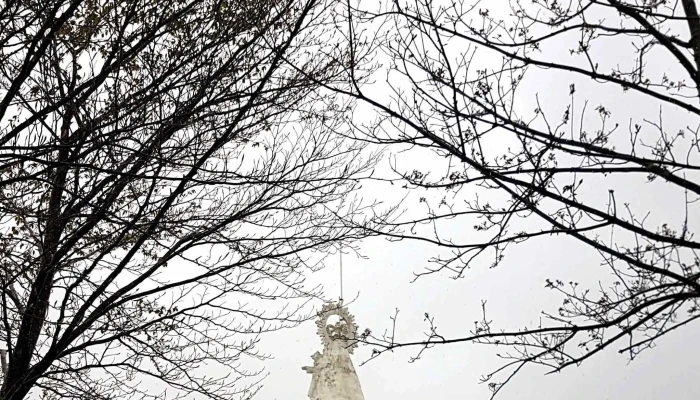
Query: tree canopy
column 171, row 172
column 167, row 181
column 544, row 119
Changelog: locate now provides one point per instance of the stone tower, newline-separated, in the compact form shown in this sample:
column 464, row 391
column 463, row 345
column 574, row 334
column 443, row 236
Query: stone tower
column 333, row 376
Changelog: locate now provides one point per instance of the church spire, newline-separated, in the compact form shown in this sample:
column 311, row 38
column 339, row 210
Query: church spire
column 333, row 375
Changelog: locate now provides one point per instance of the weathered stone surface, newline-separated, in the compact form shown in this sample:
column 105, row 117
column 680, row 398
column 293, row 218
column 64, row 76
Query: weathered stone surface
column 333, row 375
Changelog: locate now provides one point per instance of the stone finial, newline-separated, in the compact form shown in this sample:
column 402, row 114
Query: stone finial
column 343, row 331
column 333, row 375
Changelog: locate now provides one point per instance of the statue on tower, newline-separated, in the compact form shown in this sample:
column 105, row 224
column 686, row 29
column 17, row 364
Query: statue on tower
column 333, row 375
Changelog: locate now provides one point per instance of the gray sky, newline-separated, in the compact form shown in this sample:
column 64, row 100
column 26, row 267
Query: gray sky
column 515, row 297
column 515, row 290
column 515, row 294
column 452, row 372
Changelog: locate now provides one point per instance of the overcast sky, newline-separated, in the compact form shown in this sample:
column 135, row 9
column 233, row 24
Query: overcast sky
column 515, row 297
column 383, row 281
column 514, row 292
column 452, row 372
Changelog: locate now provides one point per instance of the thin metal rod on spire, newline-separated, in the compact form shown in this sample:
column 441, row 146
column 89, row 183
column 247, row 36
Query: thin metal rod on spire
column 341, row 276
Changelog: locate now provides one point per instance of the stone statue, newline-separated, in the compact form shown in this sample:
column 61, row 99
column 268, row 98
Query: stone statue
column 314, row 374
column 333, row 375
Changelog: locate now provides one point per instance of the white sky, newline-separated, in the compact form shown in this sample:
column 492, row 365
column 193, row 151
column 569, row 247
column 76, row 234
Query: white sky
column 514, row 291
column 452, row 372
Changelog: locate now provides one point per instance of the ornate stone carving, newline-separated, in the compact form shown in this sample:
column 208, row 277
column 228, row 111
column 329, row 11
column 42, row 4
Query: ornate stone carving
column 343, row 332
column 333, row 376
